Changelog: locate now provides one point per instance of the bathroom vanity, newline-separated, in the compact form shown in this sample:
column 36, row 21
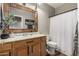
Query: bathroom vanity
column 32, row 45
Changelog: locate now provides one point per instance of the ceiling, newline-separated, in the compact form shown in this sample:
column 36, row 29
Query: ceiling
column 55, row 5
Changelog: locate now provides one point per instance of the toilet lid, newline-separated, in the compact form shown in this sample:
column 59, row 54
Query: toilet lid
column 50, row 43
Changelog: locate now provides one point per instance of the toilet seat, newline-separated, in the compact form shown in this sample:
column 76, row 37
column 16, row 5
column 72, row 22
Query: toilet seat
column 51, row 44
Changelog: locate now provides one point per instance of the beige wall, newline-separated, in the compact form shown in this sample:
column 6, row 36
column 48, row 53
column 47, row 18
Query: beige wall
column 44, row 11
column 42, row 21
column 47, row 9
column 65, row 7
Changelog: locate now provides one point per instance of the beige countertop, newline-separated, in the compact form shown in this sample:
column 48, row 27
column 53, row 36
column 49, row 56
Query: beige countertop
column 17, row 38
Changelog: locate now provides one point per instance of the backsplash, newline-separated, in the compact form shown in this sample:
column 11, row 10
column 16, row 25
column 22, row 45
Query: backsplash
column 23, row 34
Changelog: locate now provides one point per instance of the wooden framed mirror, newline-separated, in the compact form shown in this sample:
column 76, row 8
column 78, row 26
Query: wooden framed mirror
column 25, row 18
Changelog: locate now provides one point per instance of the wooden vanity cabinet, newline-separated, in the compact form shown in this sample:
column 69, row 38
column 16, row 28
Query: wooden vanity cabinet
column 20, row 49
column 43, row 46
column 36, row 47
column 5, row 49
column 28, row 47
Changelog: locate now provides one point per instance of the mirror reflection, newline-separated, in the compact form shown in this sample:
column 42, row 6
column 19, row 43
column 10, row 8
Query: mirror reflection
column 25, row 18
column 21, row 18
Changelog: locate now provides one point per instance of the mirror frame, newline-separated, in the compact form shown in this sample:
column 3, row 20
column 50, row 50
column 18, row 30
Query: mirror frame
column 6, row 9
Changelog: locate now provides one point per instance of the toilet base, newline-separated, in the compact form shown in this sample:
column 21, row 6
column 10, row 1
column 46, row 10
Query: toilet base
column 51, row 52
column 57, row 53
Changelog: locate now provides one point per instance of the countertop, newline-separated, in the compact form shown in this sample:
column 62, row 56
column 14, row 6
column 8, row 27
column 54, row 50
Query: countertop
column 17, row 38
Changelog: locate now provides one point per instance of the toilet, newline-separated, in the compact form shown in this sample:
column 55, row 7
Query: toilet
column 51, row 46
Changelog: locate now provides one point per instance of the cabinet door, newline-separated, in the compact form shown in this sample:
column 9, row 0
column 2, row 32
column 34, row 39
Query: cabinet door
column 5, row 53
column 43, row 46
column 36, row 49
column 5, row 49
column 21, row 51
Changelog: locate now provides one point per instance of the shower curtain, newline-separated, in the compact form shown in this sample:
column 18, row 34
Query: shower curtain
column 62, row 31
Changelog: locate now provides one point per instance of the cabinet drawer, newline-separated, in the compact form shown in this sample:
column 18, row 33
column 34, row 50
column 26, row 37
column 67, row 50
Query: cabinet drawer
column 19, row 43
column 22, row 43
column 5, row 47
column 43, row 39
column 29, row 42
column 36, row 40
